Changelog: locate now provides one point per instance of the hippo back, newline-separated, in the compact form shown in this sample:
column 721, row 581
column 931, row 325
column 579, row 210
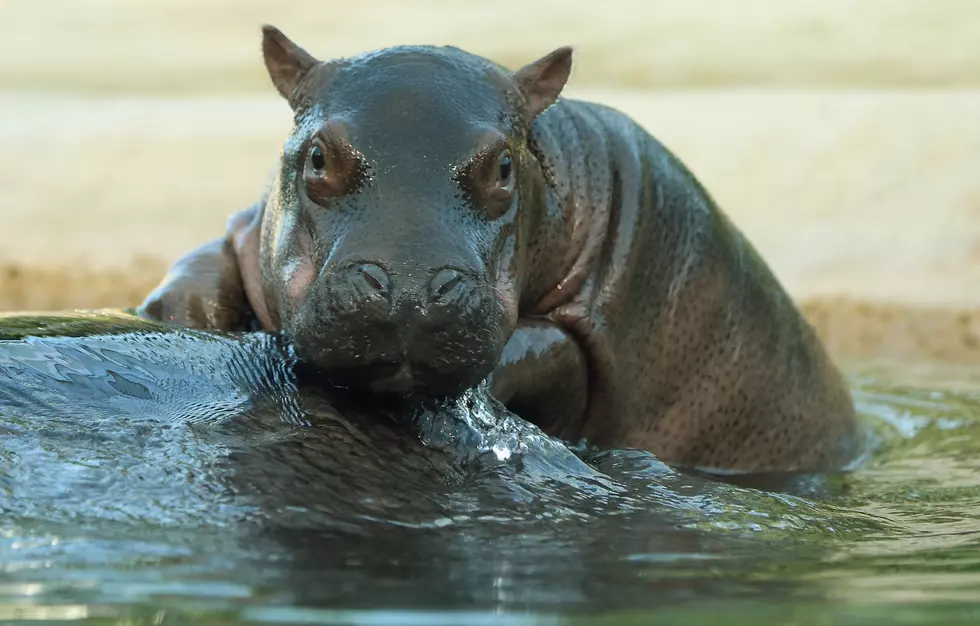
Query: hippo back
column 697, row 353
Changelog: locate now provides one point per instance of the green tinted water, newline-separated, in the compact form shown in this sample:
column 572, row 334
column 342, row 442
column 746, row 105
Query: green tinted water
column 154, row 479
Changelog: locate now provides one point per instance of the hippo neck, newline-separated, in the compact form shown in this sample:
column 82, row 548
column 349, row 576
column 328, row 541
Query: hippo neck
column 578, row 196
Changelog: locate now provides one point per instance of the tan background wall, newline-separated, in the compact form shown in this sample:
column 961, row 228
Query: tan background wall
column 843, row 138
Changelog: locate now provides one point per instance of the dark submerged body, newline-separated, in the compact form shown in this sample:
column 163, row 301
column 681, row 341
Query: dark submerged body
column 603, row 291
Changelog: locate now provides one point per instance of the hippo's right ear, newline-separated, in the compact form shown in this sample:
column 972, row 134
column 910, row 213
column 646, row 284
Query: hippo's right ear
column 541, row 82
column 287, row 63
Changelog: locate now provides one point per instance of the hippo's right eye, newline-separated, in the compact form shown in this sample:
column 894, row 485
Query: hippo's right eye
column 333, row 168
column 317, row 160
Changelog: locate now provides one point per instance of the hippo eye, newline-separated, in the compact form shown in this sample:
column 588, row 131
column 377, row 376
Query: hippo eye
column 316, row 158
column 506, row 166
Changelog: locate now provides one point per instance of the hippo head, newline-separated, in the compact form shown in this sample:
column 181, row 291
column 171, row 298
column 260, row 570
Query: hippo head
column 394, row 241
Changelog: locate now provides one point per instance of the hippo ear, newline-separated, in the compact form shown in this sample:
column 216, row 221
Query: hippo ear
column 542, row 81
column 287, row 63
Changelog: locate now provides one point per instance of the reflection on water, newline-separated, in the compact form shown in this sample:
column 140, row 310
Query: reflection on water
column 161, row 477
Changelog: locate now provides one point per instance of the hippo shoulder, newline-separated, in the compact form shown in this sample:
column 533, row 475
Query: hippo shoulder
column 597, row 153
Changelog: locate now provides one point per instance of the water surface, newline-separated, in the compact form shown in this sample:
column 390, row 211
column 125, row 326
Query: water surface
column 152, row 476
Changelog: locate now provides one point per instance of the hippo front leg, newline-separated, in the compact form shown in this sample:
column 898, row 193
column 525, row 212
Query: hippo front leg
column 202, row 290
column 542, row 376
column 208, row 288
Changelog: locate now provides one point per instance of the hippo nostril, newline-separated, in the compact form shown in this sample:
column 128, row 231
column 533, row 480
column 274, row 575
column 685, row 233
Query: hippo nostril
column 369, row 279
column 443, row 283
column 376, row 277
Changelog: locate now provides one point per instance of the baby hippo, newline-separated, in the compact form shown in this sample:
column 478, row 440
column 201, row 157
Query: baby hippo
column 438, row 220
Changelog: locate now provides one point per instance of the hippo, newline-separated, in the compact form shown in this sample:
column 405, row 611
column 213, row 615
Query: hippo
column 438, row 221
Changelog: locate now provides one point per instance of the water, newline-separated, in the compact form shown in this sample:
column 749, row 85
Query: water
column 152, row 477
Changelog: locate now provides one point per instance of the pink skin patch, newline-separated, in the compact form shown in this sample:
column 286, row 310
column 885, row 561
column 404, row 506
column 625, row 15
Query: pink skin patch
column 297, row 275
column 298, row 271
column 504, row 285
column 244, row 229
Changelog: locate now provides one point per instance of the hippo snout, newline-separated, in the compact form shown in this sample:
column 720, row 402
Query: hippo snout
column 369, row 289
column 398, row 328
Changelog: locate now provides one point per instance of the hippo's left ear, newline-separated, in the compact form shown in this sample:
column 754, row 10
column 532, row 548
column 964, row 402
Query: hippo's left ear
column 287, row 63
column 542, row 81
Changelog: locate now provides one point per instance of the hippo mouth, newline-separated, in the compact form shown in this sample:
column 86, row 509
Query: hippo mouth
column 433, row 353
column 395, row 378
column 402, row 377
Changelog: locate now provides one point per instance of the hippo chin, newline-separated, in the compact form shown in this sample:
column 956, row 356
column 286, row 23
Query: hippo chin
column 437, row 220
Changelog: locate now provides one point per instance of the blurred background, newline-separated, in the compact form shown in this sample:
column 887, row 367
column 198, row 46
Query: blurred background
column 842, row 138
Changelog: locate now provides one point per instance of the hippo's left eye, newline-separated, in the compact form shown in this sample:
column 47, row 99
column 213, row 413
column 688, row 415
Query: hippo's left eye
column 505, row 169
column 488, row 180
column 317, row 159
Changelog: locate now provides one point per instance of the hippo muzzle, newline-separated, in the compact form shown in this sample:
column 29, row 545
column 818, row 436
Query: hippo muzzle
column 389, row 327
